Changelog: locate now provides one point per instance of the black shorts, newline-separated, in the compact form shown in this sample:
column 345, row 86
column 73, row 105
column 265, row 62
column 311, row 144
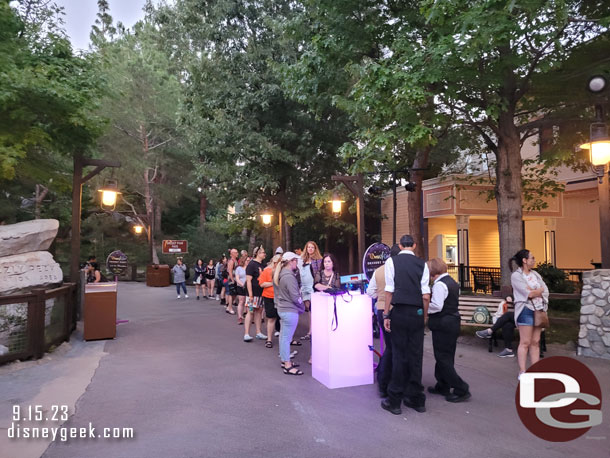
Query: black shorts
column 241, row 291
column 270, row 310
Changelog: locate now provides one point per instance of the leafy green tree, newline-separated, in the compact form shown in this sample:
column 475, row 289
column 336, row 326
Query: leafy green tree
column 47, row 101
column 255, row 145
column 142, row 109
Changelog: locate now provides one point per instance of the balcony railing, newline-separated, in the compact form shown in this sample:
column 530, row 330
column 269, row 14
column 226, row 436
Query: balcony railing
column 487, row 279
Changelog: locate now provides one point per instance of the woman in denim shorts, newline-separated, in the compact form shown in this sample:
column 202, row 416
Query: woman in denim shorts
column 530, row 293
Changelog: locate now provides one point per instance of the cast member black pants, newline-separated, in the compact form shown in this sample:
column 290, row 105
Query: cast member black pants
column 407, row 329
column 445, row 331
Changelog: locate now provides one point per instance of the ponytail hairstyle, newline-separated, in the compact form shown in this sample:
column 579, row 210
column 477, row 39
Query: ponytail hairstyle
column 278, row 269
column 518, row 258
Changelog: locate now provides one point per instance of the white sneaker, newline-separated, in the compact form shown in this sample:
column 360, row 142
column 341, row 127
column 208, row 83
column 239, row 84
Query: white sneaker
column 247, row 338
column 217, row 297
column 277, row 333
column 178, row 297
column 261, row 336
column 186, row 296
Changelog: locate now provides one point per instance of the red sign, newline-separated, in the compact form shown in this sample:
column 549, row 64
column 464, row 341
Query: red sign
column 175, row 246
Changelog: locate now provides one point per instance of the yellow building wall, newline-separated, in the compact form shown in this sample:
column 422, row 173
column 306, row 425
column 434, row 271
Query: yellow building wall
column 436, row 227
column 534, row 239
column 577, row 234
column 484, row 243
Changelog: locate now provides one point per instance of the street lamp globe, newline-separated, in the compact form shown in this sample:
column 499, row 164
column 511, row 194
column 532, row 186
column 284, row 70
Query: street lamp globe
column 266, row 218
column 138, row 228
column 336, row 202
column 109, row 191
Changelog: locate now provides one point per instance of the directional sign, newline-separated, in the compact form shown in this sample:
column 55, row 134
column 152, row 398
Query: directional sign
column 175, row 246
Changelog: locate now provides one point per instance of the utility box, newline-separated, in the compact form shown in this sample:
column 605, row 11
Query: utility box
column 158, row 275
column 99, row 312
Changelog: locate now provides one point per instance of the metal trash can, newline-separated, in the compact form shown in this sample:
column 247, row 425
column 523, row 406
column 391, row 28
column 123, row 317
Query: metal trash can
column 157, row 275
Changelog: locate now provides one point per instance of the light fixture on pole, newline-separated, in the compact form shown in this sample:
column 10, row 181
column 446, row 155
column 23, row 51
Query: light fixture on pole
column 599, row 155
column 138, row 229
column 109, row 191
column 336, row 202
column 266, row 217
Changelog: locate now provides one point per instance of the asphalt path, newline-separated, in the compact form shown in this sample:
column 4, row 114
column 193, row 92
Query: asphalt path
column 180, row 375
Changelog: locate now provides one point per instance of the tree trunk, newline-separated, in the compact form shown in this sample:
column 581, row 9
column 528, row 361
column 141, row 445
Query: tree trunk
column 350, row 253
column 41, row 193
column 287, row 236
column 252, row 242
column 203, row 208
column 148, row 198
column 158, row 215
column 508, row 192
column 414, row 202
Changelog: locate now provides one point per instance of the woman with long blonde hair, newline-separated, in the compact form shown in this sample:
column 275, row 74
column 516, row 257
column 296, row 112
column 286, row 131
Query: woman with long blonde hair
column 309, row 264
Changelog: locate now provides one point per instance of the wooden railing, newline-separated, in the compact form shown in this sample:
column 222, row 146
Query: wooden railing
column 32, row 323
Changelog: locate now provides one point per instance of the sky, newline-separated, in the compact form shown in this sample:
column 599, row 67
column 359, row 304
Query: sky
column 80, row 16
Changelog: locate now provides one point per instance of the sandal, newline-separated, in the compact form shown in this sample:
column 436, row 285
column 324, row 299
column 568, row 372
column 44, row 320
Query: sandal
column 293, row 365
column 269, row 344
column 296, row 343
column 293, row 371
column 306, row 337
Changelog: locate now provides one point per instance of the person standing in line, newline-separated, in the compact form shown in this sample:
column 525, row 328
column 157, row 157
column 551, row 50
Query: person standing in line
column 254, row 301
column 531, row 293
column 444, row 322
column 179, row 271
column 220, row 287
column 310, row 257
column 407, row 289
column 240, row 278
column 289, row 307
column 376, row 290
column 199, row 279
column 231, row 292
column 210, row 275
column 266, row 282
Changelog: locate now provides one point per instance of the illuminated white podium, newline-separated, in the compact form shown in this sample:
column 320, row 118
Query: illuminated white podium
column 342, row 358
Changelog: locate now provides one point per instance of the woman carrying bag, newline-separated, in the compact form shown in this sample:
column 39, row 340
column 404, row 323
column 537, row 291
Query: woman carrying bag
column 531, row 297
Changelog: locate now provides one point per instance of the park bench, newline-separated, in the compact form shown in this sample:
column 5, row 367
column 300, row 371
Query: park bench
column 484, row 281
column 468, row 305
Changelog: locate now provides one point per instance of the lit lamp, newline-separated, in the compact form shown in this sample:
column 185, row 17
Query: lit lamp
column 138, row 229
column 599, row 148
column 109, row 194
column 266, row 218
column 336, row 205
column 599, row 142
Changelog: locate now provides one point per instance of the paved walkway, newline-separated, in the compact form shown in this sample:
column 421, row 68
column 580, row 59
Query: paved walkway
column 181, row 376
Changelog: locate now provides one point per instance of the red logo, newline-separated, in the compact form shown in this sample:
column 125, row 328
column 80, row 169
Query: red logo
column 559, row 399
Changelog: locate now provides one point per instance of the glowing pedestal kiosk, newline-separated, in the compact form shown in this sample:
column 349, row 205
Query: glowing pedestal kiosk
column 342, row 358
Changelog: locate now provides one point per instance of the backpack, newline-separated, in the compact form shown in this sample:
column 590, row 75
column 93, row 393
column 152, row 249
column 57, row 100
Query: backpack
column 481, row 315
column 187, row 273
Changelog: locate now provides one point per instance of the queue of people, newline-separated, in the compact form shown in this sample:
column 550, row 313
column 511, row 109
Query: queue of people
column 280, row 291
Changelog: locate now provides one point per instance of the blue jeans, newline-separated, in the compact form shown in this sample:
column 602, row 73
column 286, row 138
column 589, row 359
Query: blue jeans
column 178, row 285
column 289, row 325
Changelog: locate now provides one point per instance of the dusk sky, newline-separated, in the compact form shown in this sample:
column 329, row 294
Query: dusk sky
column 80, row 16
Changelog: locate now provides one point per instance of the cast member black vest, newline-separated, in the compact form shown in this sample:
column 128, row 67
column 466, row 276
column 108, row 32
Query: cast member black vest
column 450, row 307
column 408, row 270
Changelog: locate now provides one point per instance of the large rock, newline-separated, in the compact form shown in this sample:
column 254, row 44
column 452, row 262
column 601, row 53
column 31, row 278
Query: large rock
column 35, row 235
column 22, row 272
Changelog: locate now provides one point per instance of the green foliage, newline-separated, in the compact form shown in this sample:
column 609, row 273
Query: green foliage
column 46, row 93
column 555, row 279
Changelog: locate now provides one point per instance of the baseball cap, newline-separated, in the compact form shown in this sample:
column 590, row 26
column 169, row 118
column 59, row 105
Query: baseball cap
column 279, row 250
column 289, row 256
